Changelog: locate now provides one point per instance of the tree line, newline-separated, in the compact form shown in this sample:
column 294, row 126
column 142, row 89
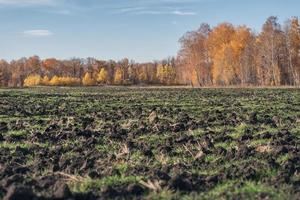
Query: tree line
column 88, row 72
column 228, row 55
column 210, row 56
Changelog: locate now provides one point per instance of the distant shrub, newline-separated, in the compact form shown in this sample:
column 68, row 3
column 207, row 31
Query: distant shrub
column 88, row 80
column 64, row 81
column 45, row 80
column 32, row 80
column 54, row 81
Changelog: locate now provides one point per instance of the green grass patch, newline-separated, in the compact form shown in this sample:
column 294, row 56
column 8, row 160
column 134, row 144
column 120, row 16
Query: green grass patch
column 89, row 184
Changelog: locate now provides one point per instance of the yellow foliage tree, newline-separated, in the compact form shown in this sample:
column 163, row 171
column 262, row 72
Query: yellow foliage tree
column 102, row 76
column 32, row 80
column 118, row 77
column 88, row 80
column 169, row 74
column 69, row 81
column 45, row 80
column 166, row 74
column 54, row 81
column 160, row 73
column 64, row 81
column 143, row 76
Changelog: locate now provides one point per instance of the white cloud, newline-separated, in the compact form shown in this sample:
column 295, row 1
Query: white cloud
column 156, row 12
column 183, row 13
column 38, row 33
column 131, row 9
column 153, row 10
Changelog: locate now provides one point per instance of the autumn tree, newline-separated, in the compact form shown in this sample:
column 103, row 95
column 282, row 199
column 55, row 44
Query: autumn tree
column 102, row 76
column 54, row 81
column 194, row 56
column 17, row 73
column 4, row 73
column 270, row 42
column 132, row 74
column 242, row 56
column 292, row 42
column 221, row 52
column 160, row 73
column 33, row 65
column 118, row 76
column 63, row 81
column 45, row 81
column 88, row 80
column 166, row 74
column 32, row 80
column 51, row 67
column 142, row 75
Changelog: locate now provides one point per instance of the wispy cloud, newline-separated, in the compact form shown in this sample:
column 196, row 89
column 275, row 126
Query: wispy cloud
column 26, row 2
column 183, row 13
column 140, row 7
column 38, row 33
column 160, row 12
column 157, row 7
column 131, row 9
column 57, row 11
column 57, row 7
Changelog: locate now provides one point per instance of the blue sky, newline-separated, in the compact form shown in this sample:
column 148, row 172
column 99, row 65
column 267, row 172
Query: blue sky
column 143, row 30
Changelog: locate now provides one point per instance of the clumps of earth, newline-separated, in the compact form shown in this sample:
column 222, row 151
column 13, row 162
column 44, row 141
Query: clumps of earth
column 120, row 143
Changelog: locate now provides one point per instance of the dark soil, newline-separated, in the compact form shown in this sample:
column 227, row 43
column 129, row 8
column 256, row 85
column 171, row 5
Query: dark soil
column 122, row 143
